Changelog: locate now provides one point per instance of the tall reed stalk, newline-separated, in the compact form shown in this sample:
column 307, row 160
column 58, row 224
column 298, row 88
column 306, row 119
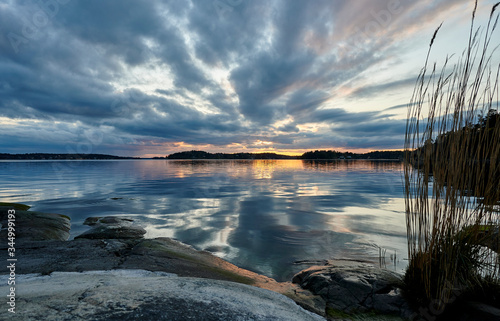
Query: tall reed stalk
column 452, row 171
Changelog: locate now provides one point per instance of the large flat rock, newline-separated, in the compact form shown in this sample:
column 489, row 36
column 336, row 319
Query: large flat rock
column 144, row 295
column 156, row 255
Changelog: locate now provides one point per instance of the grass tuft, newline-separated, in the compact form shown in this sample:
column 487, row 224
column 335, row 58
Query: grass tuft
column 452, row 170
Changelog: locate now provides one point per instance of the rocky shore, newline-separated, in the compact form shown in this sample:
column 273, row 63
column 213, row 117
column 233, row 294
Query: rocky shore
column 111, row 272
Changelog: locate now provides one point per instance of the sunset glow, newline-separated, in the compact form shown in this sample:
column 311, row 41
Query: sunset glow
column 156, row 77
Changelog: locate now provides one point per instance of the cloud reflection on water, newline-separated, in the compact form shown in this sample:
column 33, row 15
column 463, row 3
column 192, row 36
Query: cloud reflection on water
column 262, row 215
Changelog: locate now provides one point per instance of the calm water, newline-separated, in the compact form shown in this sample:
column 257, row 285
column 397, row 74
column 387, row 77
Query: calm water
column 262, row 215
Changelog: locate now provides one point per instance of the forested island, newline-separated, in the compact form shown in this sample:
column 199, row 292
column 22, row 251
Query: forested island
column 195, row 154
column 332, row 154
column 317, row 154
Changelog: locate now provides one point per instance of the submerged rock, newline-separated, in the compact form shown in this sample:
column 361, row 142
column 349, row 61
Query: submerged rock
column 33, row 226
column 112, row 227
column 354, row 287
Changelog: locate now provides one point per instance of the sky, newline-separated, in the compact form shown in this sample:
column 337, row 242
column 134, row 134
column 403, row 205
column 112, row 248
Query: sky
column 150, row 78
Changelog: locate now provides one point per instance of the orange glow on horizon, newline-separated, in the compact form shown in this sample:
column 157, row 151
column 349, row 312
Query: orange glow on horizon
column 164, row 149
column 287, row 152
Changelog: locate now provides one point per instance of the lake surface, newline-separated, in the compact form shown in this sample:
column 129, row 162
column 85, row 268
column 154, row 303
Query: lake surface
column 262, row 215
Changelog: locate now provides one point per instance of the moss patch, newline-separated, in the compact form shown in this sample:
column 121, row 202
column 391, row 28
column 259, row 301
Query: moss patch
column 371, row 315
column 157, row 246
column 334, row 313
column 16, row 206
column 65, row 216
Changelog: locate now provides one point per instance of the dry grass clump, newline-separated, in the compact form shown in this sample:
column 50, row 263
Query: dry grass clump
column 452, row 173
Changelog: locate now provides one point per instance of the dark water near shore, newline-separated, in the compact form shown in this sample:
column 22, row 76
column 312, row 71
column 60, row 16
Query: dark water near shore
column 262, row 215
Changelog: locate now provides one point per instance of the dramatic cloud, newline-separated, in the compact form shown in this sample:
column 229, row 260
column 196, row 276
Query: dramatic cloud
column 155, row 77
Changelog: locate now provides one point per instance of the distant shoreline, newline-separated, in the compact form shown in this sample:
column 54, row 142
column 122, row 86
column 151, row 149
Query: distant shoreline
column 48, row 156
column 295, row 158
column 201, row 155
column 311, row 155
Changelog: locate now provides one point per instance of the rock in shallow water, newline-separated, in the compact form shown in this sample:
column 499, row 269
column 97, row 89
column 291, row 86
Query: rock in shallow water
column 112, row 227
column 33, row 226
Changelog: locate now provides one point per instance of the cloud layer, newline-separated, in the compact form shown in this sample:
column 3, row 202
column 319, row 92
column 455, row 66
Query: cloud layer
column 155, row 77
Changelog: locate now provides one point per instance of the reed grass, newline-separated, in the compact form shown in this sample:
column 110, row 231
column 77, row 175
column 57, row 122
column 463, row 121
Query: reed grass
column 452, row 172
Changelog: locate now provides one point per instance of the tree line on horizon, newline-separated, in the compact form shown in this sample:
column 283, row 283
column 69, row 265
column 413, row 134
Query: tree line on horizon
column 475, row 143
column 317, row 154
column 479, row 137
column 53, row 156
column 195, row 154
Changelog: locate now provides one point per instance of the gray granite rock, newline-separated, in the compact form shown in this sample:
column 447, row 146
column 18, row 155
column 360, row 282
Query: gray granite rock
column 112, row 227
column 115, row 243
column 33, row 226
column 144, row 295
column 161, row 254
column 354, row 287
